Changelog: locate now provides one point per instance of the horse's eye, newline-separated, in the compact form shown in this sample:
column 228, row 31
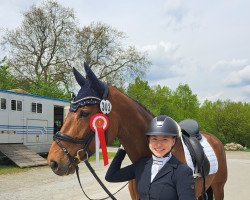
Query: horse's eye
column 83, row 113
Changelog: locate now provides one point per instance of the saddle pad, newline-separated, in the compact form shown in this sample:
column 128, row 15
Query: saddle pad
column 209, row 153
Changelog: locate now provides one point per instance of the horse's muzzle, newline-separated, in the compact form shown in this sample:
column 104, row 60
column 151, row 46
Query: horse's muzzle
column 61, row 170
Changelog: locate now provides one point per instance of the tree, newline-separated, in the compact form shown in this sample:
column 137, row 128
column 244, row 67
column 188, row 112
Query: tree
column 48, row 43
column 234, row 122
column 186, row 104
column 160, row 100
column 140, row 91
column 7, row 80
column 209, row 118
column 228, row 120
column 101, row 47
column 49, row 88
column 41, row 48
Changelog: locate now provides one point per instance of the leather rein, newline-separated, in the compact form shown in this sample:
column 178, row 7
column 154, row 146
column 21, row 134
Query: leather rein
column 59, row 136
column 74, row 160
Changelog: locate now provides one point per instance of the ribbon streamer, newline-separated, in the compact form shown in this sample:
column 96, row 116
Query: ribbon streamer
column 99, row 123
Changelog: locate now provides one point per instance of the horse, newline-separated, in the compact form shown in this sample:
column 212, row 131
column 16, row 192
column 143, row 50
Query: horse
column 128, row 122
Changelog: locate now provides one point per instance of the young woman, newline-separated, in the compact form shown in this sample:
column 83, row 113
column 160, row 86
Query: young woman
column 161, row 176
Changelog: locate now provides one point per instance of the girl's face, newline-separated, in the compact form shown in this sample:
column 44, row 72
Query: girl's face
column 160, row 145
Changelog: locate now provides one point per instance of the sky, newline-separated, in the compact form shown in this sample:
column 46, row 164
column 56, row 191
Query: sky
column 205, row 44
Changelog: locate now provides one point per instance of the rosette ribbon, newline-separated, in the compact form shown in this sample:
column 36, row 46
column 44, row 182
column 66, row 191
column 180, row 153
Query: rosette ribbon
column 99, row 123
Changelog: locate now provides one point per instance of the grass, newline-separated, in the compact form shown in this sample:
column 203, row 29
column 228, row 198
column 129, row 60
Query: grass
column 110, row 155
column 10, row 168
column 247, row 150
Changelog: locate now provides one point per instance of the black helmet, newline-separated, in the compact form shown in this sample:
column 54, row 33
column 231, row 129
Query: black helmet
column 163, row 125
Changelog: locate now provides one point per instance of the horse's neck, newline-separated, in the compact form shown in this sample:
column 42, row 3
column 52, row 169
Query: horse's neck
column 132, row 121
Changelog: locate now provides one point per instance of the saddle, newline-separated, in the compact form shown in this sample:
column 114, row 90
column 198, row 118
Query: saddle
column 191, row 137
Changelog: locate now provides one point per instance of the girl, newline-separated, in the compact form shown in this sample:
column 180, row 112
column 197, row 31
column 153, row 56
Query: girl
column 160, row 176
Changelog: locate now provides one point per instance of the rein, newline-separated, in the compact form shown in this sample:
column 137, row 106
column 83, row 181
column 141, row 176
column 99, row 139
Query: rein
column 98, row 180
column 59, row 136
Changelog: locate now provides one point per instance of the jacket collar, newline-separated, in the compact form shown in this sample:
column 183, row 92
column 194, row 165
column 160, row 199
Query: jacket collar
column 168, row 167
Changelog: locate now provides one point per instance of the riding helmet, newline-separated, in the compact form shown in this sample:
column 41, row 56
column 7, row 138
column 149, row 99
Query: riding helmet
column 163, row 125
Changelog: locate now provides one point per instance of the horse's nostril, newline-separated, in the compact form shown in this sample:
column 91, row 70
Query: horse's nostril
column 53, row 165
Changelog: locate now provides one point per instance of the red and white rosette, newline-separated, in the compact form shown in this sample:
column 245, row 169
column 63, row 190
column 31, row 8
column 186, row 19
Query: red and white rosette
column 99, row 123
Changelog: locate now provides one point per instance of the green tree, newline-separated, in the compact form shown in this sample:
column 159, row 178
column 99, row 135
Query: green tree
column 49, row 88
column 185, row 104
column 228, row 120
column 160, row 100
column 234, row 122
column 8, row 81
column 140, row 91
column 209, row 118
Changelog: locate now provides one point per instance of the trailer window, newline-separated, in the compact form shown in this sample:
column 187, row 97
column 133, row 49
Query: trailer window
column 16, row 105
column 36, row 108
column 19, row 105
column 33, row 107
column 13, row 104
column 3, row 103
column 39, row 108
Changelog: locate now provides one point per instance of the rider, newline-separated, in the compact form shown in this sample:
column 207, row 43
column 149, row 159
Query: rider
column 160, row 176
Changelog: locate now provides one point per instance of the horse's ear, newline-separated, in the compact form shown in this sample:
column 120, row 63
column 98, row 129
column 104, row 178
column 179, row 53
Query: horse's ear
column 95, row 82
column 79, row 78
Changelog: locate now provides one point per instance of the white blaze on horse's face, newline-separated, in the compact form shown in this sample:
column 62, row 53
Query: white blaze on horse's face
column 161, row 145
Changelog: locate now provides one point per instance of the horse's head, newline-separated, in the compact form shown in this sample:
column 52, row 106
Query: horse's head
column 75, row 137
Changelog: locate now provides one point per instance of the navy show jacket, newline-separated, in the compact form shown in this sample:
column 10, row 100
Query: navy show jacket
column 173, row 182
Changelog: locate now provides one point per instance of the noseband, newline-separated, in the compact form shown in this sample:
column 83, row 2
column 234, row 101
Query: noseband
column 59, row 136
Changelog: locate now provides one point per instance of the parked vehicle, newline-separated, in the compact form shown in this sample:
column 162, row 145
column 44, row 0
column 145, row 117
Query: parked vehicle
column 30, row 119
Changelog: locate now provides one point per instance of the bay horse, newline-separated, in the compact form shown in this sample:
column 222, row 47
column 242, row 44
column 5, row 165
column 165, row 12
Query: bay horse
column 128, row 121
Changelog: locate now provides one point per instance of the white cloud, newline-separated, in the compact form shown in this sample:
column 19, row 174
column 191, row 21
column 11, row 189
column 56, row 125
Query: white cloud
column 167, row 62
column 230, row 64
column 238, row 78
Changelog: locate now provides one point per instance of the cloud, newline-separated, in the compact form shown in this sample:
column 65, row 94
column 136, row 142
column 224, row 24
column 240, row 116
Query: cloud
column 246, row 91
column 229, row 65
column 167, row 63
column 175, row 11
column 212, row 97
column 238, row 78
column 178, row 15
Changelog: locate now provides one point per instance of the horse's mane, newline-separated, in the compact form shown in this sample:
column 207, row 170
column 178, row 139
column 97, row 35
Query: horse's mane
column 144, row 107
column 140, row 104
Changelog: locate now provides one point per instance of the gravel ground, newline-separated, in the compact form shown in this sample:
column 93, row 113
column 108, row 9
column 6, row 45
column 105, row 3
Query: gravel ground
column 42, row 184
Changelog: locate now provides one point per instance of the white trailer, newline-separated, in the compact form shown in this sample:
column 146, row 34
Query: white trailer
column 30, row 119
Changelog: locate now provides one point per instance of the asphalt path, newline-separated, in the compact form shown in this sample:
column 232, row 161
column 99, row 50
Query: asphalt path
column 42, row 184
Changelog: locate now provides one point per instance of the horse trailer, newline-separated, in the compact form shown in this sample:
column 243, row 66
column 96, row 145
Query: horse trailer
column 30, row 119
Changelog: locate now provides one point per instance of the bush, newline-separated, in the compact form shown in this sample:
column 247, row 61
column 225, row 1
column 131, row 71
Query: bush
column 116, row 143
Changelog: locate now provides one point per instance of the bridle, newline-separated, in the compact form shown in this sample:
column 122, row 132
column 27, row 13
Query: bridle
column 85, row 142
column 59, row 136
